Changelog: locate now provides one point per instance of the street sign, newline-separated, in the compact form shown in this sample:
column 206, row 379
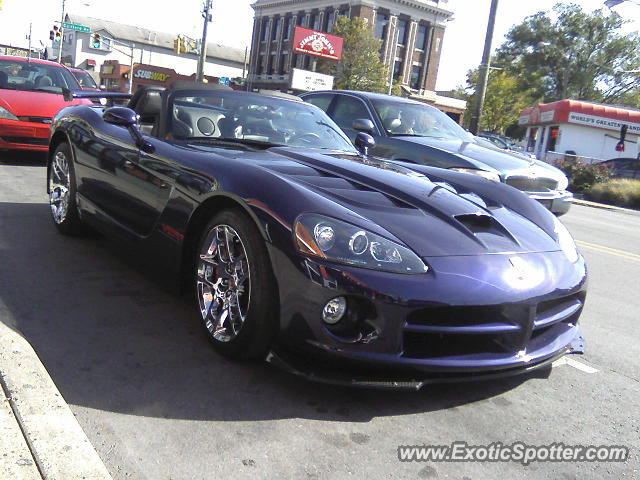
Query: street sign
column 76, row 27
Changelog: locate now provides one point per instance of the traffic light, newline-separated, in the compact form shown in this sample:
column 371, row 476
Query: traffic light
column 55, row 35
column 178, row 45
column 96, row 41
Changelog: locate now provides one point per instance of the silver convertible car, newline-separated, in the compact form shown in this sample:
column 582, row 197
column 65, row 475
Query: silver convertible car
column 411, row 131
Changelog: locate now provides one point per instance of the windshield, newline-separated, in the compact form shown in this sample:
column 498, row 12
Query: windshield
column 404, row 118
column 85, row 79
column 32, row 76
column 215, row 115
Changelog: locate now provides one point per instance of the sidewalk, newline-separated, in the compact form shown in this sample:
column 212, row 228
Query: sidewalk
column 40, row 437
column 604, row 206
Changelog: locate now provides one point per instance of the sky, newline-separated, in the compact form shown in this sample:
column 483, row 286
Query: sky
column 233, row 21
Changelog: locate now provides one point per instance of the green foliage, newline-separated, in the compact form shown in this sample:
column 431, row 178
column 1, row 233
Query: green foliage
column 360, row 67
column 583, row 176
column 568, row 53
column 503, row 102
column 623, row 192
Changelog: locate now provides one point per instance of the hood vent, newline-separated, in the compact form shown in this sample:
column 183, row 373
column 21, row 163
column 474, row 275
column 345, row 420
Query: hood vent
column 484, row 226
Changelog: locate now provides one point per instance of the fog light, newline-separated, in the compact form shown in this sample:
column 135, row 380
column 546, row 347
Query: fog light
column 334, row 310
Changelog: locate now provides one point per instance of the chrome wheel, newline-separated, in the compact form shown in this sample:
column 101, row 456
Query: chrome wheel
column 59, row 186
column 223, row 283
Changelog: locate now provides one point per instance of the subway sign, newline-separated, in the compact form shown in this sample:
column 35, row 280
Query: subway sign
column 151, row 75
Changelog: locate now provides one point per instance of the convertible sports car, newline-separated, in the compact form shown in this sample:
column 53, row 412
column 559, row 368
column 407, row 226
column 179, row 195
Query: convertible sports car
column 307, row 252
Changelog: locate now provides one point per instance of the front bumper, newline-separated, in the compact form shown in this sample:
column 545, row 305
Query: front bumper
column 469, row 318
column 558, row 201
column 20, row 135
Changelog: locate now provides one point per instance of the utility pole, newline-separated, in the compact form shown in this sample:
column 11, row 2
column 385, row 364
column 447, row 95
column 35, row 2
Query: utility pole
column 203, row 45
column 61, row 34
column 483, row 71
column 29, row 55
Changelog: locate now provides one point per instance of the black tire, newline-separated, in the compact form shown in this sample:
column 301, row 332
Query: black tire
column 67, row 223
column 257, row 331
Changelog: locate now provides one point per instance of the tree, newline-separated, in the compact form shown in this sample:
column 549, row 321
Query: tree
column 504, row 100
column 360, row 67
column 572, row 54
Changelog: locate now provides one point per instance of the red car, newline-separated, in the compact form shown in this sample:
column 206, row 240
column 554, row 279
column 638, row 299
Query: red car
column 85, row 79
column 30, row 95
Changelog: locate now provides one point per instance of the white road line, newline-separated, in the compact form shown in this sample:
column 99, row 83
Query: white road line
column 583, row 367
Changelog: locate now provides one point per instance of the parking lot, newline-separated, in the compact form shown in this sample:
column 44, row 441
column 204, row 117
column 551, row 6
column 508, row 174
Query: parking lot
column 157, row 402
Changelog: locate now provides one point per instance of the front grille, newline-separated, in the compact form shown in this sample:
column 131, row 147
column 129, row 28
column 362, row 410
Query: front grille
column 532, row 184
column 46, row 120
column 441, row 332
column 26, row 140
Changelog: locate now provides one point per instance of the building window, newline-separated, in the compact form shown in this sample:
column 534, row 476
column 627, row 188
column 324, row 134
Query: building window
column 287, row 28
column 416, row 74
column 330, row 18
column 380, row 28
column 275, row 30
column 421, row 38
column 283, row 62
column 397, row 69
column 264, row 25
column 402, row 32
column 272, row 64
column 344, row 12
column 302, row 19
column 261, row 65
column 314, row 21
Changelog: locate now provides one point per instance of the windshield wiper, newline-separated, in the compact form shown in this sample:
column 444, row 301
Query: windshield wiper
column 325, row 124
column 232, row 141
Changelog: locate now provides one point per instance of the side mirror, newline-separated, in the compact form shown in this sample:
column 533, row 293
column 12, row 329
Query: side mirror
column 102, row 87
column 364, row 142
column 125, row 117
column 363, row 125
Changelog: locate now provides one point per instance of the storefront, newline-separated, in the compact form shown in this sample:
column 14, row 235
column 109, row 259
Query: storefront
column 592, row 131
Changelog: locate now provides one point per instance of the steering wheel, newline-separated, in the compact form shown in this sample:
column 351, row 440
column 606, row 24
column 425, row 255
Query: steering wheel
column 308, row 137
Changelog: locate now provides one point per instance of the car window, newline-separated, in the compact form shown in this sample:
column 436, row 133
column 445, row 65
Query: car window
column 238, row 115
column 409, row 118
column 320, row 101
column 33, row 76
column 347, row 109
column 85, row 79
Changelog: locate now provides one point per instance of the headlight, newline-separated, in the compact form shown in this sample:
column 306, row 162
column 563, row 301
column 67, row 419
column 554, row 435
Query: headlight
column 342, row 242
column 481, row 173
column 565, row 240
column 7, row 115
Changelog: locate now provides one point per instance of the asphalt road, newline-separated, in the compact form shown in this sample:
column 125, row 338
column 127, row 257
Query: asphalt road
column 158, row 403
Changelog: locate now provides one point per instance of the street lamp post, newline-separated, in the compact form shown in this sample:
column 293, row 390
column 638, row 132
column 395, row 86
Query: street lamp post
column 61, row 34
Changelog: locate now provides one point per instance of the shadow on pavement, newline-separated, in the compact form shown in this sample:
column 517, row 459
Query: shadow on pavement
column 25, row 158
column 114, row 339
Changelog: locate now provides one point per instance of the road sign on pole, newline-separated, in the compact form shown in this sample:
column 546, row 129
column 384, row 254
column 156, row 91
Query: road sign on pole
column 76, row 27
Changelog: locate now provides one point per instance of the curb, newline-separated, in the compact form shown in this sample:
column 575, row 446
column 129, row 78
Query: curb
column 604, row 206
column 44, row 426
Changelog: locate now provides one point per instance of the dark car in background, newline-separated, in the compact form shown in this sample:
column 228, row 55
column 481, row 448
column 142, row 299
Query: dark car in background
column 624, row 167
column 328, row 262
column 412, row 131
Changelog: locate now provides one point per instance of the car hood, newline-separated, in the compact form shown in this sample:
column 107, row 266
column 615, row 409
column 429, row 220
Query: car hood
column 431, row 217
column 35, row 104
column 480, row 156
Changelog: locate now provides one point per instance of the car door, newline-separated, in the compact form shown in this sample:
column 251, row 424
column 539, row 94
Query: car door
column 111, row 176
column 345, row 109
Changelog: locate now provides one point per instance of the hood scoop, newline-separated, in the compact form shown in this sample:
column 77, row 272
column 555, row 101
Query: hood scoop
column 486, row 229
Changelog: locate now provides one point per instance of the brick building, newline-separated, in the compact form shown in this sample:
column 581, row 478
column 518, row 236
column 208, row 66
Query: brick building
column 411, row 32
